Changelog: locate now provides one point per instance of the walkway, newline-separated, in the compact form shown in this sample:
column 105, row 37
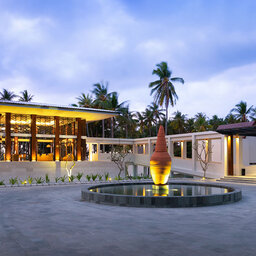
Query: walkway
column 53, row 221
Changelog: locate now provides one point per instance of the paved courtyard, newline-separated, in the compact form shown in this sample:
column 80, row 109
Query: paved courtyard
column 53, row 221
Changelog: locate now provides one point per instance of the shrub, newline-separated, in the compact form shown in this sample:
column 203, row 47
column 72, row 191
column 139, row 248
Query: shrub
column 39, row 180
column 57, row 179
column 23, row 182
column 30, row 180
column 88, row 177
column 13, row 181
column 71, row 178
column 100, row 177
column 106, row 176
column 94, row 176
column 47, row 180
column 63, row 178
column 2, row 183
column 118, row 178
column 79, row 176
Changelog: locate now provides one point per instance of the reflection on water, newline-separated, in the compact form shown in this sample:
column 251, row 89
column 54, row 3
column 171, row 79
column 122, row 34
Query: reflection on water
column 165, row 190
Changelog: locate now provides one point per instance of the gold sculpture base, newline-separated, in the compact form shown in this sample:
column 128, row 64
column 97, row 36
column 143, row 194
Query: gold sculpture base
column 160, row 172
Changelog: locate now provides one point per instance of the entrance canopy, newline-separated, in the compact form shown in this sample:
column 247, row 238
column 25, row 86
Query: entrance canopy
column 241, row 129
column 30, row 108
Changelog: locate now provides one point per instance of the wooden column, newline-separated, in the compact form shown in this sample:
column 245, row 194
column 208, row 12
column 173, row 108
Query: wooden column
column 78, row 140
column 57, row 139
column 230, row 155
column 8, row 141
column 33, row 138
column 83, row 142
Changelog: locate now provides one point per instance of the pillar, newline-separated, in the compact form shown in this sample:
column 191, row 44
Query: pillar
column 239, row 156
column 194, row 155
column 57, row 139
column 135, row 170
column 230, row 156
column 78, row 140
column 83, row 141
column 8, row 142
column 33, row 138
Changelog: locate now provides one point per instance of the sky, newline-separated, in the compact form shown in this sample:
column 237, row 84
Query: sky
column 57, row 49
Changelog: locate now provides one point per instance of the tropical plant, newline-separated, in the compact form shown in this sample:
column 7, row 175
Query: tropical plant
column 201, row 123
column 79, row 176
column 85, row 100
column 2, row 183
column 25, row 96
column 30, row 180
column 106, row 175
column 39, row 180
column 94, row 176
column 163, row 88
column 57, row 179
column 88, row 177
column 7, row 95
column 13, row 181
column 156, row 113
column 178, row 122
column 71, row 178
column 47, row 179
column 63, row 178
column 241, row 111
column 100, row 176
column 23, row 182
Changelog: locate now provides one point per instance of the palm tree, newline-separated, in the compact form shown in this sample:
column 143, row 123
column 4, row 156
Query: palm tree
column 179, row 121
column 128, row 121
column 190, row 125
column 7, row 95
column 201, row 123
column 156, row 113
column 101, row 99
column 148, row 120
column 230, row 119
column 241, row 111
column 253, row 114
column 141, row 122
column 25, row 96
column 163, row 89
column 85, row 101
column 215, row 121
column 113, row 104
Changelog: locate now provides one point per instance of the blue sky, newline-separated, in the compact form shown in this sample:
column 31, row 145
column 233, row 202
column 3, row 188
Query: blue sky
column 58, row 48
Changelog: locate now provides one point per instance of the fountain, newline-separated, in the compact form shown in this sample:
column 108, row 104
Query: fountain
column 160, row 192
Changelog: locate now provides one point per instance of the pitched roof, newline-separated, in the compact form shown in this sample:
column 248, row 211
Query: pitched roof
column 242, row 129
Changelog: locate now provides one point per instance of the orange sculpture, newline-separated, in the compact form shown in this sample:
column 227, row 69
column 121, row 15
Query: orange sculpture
column 160, row 162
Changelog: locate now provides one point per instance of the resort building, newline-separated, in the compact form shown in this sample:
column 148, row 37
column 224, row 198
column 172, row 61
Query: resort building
column 40, row 132
column 51, row 135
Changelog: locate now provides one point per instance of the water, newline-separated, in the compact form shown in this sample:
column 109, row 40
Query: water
column 170, row 190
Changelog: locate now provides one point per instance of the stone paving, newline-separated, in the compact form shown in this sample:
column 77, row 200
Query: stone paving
column 53, row 221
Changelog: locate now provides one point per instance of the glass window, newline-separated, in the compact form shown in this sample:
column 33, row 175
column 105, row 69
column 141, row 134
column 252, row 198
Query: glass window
column 20, row 123
column 68, row 126
column 177, row 149
column 45, row 124
column 189, row 149
column 45, row 149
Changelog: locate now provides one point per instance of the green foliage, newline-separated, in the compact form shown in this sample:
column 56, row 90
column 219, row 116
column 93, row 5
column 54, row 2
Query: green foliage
column 39, row 180
column 71, row 178
column 47, row 179
column 79, row 176
column 30, row 180
column 88, row 177
column 13, row 181
column 106, row 175
column 57, row 179
column 100, row 176
column 63, row 178
column 118, row 178
column 94, row 176
column 2, row 183
column 23, row 182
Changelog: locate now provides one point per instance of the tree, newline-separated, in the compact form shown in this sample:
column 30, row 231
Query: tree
column 7, row 95
column 215, row 121
column 25, row 96
column 241, row 111
column 156, row 113
column 100, row 90
column 118, row 156
column 201, row 123
column 163, row 89
column 179, row 121
column 85, row 101
column 202, row 152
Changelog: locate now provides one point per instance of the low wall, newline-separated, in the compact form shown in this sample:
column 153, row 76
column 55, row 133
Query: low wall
column 54, row 169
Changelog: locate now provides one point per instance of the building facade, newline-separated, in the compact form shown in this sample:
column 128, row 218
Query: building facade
column 40, row 132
